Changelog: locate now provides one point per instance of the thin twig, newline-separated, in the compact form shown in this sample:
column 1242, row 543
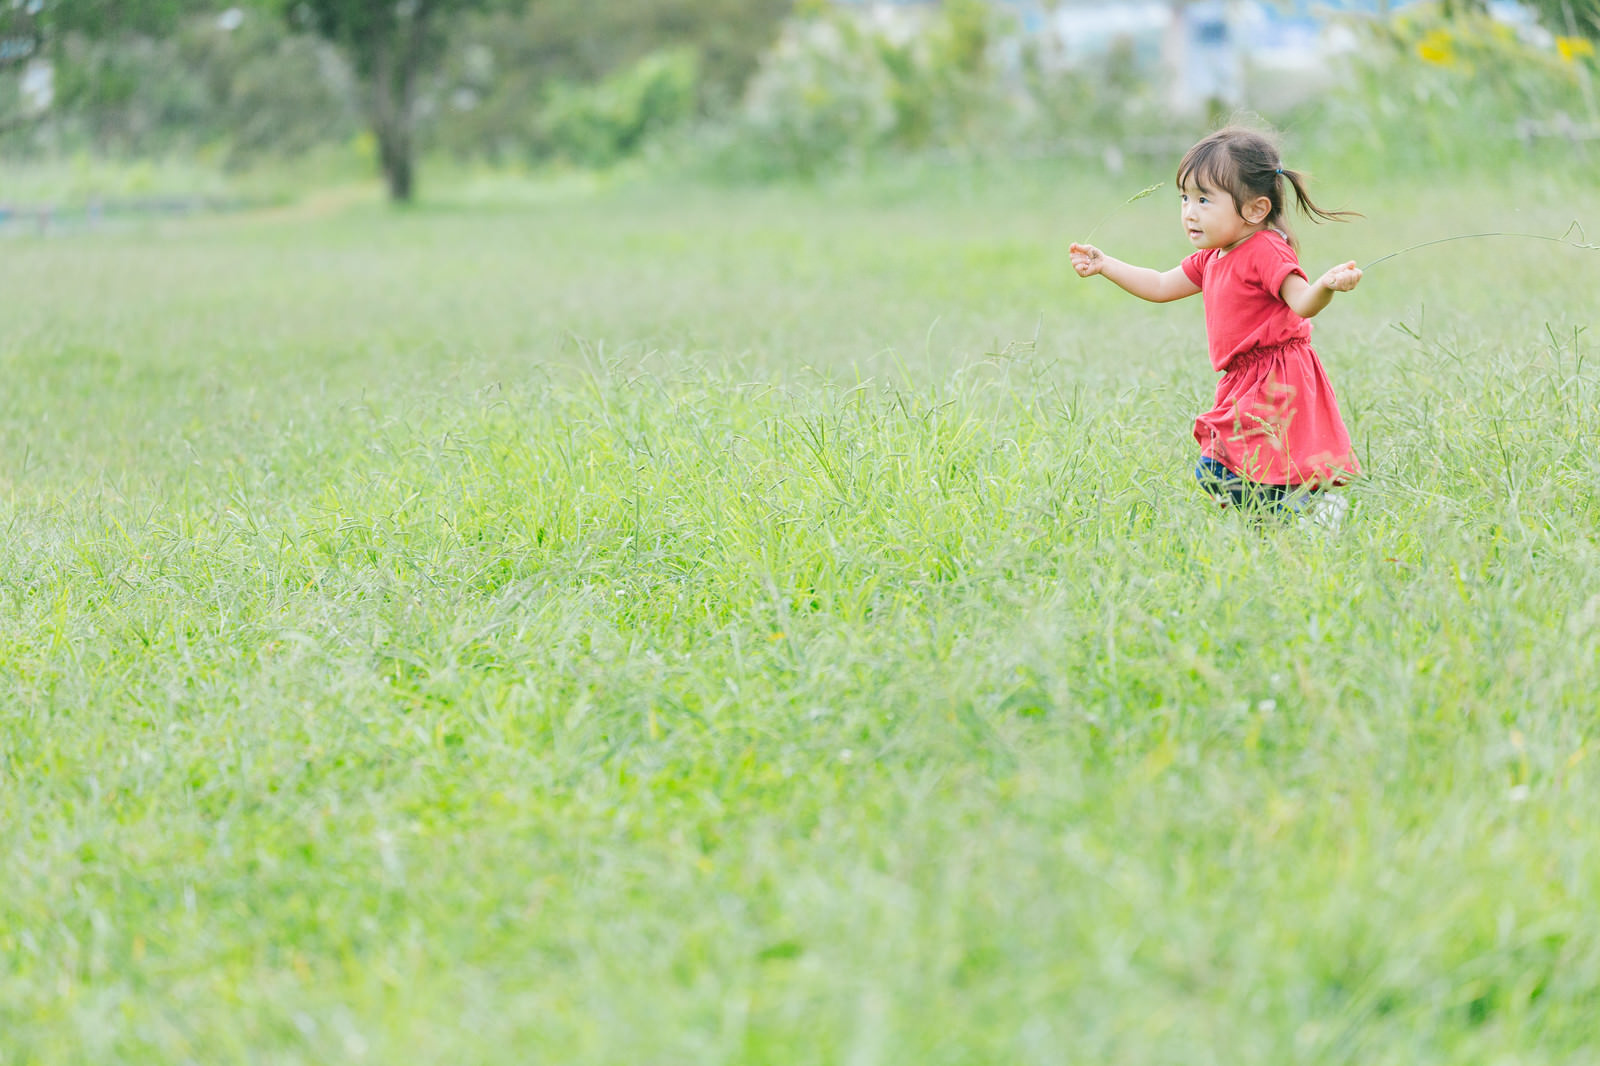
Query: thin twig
column 1581, row 243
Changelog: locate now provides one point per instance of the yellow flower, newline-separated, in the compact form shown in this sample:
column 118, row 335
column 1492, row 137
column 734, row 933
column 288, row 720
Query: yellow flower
column 1574, row 48
column 1436, row 47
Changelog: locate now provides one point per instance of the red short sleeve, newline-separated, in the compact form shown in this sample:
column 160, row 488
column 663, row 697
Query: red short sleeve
column 1194, row 265
column 1276, row 264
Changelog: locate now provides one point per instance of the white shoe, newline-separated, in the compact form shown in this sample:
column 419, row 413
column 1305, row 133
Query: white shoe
column 1324, row 510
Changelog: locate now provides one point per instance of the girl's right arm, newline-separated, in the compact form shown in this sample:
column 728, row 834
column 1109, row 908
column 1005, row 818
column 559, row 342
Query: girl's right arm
column 1143, row 282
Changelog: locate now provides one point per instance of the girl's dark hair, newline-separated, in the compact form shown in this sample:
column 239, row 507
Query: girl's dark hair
column 1245, row 164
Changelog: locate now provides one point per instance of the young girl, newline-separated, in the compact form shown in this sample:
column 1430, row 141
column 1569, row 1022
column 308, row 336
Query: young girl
column 1274, row 438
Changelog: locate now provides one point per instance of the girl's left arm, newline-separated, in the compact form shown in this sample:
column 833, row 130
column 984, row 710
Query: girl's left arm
column 1307, row 298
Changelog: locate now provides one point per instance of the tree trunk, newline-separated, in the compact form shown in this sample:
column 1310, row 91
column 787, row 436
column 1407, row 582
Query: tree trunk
column 394, row 156
column 396, row 59
column 398, row 173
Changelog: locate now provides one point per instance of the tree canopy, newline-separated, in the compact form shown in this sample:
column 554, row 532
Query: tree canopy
column 21, row 35
column 388, row 44
column 109, row 18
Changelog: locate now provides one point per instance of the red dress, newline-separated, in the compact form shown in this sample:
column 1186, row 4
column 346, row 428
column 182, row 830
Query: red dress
column 1275, row 420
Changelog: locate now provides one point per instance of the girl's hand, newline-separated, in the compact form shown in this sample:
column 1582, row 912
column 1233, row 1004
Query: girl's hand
column 1087, row 260
column 1341, row 278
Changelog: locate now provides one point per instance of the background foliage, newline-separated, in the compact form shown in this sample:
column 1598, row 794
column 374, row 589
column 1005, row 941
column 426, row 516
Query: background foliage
column 243, row 94
column 769, row 90
column 1464, row 91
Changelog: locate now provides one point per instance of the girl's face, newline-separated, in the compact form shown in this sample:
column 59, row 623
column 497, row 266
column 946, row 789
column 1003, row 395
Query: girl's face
column 1213, row 220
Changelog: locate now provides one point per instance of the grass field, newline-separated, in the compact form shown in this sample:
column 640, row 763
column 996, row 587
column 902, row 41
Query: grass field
column 665, row 626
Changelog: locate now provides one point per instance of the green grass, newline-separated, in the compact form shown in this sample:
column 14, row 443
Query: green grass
column 666, row 626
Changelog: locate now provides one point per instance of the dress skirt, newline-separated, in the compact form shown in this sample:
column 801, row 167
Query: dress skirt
column 1276, row 421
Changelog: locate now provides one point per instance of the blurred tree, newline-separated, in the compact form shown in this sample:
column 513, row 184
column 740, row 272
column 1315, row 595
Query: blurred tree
column 582, row 41
column 267, row 91
column 32, row 30
column 596, row 125
column 21, row 39
column 388, row 44
column 517, row 61
column 21, row 35
column 507, row 78
column 101, row 19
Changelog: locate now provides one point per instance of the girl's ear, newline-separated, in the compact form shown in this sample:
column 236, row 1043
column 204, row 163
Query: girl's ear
column 1256, row 211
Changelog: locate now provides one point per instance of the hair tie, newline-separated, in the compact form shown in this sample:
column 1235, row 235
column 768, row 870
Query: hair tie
column 1278, row 171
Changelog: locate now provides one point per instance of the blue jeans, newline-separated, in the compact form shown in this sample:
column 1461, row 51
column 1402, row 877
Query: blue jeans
column 1228, row 488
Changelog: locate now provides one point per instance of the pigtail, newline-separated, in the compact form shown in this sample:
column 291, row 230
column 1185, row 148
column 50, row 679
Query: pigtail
column 1278, row 217
column 1297, row 181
